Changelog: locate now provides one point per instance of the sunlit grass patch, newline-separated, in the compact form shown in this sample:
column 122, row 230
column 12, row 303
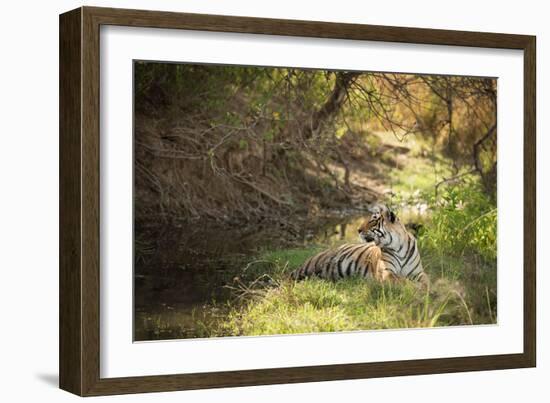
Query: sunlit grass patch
column 317, row 305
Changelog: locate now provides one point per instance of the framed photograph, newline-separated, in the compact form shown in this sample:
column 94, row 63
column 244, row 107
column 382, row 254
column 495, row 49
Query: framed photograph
column 249, row 201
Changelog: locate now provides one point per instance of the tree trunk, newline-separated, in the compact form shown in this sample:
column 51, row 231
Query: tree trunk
column 332, row 104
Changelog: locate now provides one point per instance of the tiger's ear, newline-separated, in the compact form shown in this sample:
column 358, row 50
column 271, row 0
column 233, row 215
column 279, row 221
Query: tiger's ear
column 392, row 216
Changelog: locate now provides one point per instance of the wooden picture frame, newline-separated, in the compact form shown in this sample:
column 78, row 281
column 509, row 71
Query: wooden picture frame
column 79, row 201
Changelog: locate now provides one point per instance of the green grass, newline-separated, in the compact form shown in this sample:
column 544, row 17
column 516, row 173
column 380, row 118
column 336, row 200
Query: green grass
column 274, row 304
column 317, row 305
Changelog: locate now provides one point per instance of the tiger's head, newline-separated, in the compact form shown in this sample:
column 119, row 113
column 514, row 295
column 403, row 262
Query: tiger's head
column 383, row 228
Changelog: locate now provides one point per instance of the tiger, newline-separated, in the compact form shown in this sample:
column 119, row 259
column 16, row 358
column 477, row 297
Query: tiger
column 388, row 252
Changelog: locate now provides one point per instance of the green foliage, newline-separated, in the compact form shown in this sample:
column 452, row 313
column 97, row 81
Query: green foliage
column 458, row 243
column 243, row 144
column 463, row 220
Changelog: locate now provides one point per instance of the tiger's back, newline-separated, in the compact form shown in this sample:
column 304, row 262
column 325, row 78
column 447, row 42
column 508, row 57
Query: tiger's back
column 362, row 260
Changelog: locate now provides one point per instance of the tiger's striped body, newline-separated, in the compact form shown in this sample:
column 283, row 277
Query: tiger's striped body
column 389, row 252
column 362, row 259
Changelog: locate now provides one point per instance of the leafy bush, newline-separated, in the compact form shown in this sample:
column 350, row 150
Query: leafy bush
column 463, row 220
